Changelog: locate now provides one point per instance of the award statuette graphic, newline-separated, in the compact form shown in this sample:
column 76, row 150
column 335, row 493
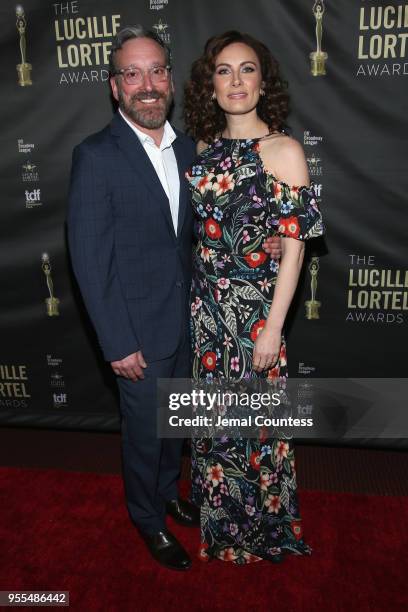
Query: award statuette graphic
column 23, row 69
column 52, row 302
column 318, row 57
column 312, row 305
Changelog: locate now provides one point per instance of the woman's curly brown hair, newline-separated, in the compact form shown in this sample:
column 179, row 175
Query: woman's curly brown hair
column 204, row 119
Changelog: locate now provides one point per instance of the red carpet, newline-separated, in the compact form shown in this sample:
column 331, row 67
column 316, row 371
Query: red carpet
column 70, row 531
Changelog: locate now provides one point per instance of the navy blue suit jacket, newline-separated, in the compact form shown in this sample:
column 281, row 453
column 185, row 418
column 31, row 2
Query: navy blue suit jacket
column 133, row 271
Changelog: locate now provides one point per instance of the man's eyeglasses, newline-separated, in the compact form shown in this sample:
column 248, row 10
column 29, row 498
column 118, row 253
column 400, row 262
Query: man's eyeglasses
column 135, row 76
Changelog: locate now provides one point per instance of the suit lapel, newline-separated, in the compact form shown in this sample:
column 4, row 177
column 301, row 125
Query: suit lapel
column 137, row 157
column 184, row 196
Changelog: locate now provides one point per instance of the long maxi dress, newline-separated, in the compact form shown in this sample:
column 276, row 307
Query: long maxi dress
column 246, row 488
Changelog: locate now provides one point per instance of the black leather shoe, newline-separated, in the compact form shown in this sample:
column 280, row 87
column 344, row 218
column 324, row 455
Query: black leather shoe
column 184, row 512
column 167, row 550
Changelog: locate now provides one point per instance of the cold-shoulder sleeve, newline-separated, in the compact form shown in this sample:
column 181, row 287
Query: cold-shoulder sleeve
column 294, row 211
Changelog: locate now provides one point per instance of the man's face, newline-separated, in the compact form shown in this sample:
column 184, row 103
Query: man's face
column 146, row 104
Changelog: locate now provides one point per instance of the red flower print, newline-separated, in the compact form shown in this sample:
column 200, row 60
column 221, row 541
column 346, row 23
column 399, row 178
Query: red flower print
column 209, row 359
column 250, row 558
column 256, row 328
column 263, row 434
column 273, row 503
column 294, row 193
column 282, row 355
column 206, row 253
column 215, row 474
column 282, row 449
column 213, row 230
column 255, row 460
column 255, row 259
column 273, row 372
column 224, row 182
column 227, row 554
column 277, row 190
column 289, row 227
column 296, row 527
column 202, row 555
column 205, row 182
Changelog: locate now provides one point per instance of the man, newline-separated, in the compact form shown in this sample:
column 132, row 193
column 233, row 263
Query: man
column 130, row 235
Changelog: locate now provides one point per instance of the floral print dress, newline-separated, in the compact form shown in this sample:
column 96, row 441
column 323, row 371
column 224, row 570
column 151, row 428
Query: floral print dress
column 246, row 488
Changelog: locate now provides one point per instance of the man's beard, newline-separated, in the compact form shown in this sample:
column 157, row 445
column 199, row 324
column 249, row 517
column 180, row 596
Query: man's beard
column 151, row 117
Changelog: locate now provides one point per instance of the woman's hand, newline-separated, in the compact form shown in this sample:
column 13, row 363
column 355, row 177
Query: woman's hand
column 266, row 349
column 272, row 246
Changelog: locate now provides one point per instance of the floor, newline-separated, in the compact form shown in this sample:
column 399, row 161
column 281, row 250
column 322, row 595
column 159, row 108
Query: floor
column 327, row 468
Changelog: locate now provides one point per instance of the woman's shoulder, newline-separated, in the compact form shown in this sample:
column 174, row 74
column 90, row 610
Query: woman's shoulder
column 284, row 158
column 201, row 146
column 281, row 144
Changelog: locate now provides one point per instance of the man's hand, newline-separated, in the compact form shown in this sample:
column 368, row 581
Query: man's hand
column 272, row 246
column 130, row 367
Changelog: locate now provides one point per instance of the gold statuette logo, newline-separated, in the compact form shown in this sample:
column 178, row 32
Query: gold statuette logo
column 318, row 57
column 312, row 305
column 23, row 69
column 51, row 302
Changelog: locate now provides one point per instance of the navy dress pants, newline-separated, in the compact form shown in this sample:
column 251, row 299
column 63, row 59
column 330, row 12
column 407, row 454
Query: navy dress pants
column 151, row 466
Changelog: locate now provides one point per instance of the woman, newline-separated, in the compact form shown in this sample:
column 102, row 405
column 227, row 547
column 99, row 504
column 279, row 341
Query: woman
column 249, row 181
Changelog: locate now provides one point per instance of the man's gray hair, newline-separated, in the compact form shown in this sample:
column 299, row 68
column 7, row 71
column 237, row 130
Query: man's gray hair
column 129, row 33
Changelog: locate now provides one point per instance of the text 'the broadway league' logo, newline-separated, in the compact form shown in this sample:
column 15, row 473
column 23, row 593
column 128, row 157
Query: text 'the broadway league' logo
column 24, row 68
column 25, row 147
column 160, row 29
column 57, row 382
column 318, row 57
column 51, row 301
column 311, row 140
column 314, row 161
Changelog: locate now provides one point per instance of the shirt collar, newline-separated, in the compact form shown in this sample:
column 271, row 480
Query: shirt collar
column 169, row 135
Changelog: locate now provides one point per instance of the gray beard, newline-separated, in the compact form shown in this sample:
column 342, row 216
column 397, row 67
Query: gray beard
column 150, row 118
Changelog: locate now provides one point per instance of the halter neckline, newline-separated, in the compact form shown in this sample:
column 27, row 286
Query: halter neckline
column 249, row 139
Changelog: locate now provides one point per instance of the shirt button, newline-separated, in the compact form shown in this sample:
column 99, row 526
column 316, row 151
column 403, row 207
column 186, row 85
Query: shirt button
column 179, row 284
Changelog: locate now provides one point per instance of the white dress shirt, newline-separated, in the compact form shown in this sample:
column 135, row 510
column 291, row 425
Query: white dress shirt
column 164, row 162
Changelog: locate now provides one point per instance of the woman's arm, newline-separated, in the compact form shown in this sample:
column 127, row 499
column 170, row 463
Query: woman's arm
column 267, row 345
column 287, row 163
column 200, row 146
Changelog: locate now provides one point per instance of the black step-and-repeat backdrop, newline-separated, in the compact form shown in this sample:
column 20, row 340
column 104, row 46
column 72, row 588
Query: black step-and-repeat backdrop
column 347, row 68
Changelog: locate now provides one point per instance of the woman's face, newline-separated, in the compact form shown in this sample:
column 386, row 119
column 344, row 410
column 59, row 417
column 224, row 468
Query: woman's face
column 237, row 79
